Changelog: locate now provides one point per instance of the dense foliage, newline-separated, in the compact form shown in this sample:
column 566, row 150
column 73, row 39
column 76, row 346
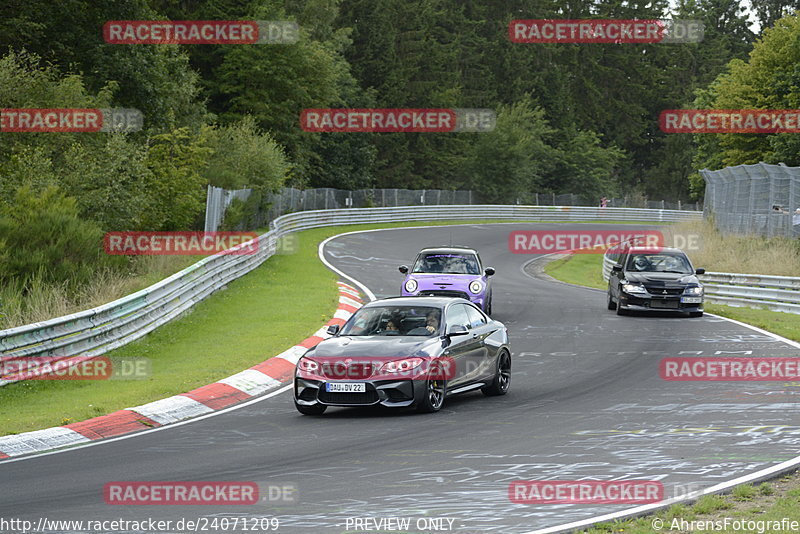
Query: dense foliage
column 571, row 118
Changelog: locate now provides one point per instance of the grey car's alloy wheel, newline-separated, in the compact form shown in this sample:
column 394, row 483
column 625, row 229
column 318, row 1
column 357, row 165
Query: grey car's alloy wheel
column 433, row 398
column 502, row 377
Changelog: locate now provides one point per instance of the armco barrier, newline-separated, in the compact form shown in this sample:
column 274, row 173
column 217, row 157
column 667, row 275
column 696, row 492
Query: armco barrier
column 90, row 333
column 776, row 293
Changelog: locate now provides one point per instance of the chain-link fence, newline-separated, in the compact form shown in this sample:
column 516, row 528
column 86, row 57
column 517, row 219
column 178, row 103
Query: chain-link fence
column 758, row 199
column 251, row 210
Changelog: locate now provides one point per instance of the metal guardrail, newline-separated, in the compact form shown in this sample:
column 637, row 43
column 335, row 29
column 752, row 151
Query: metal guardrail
column 87, row 334
column 775, row 293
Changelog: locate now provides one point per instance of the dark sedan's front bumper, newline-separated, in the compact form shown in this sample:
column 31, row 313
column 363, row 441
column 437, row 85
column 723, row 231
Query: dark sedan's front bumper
column 653, row 303
column 391, row 393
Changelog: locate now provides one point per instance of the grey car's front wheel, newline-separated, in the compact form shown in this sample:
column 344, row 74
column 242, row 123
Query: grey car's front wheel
column 502, row 377
column 433, row 397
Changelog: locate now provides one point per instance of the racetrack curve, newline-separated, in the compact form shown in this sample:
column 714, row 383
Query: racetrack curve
column 586, row 401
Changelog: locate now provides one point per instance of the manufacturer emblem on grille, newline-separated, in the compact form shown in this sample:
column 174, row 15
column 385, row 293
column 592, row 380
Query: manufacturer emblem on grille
column 664, row 292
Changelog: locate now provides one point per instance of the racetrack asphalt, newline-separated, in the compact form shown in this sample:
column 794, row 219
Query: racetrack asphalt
column 586, row 402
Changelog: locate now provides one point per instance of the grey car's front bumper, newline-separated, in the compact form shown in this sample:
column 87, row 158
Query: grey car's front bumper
column 390, row 393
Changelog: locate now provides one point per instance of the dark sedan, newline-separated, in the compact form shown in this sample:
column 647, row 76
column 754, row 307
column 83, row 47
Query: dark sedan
column 405, row 351
column 644, row 279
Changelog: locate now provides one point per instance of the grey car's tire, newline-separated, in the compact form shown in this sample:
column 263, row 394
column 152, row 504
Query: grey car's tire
column 611, row 305
column 314, row 409
column 502, row 377
column 433, row 397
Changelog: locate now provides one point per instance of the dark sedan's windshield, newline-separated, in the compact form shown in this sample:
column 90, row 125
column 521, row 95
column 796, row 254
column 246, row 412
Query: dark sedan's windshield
column 447, row 264
column 394, row 321
column 659, row 263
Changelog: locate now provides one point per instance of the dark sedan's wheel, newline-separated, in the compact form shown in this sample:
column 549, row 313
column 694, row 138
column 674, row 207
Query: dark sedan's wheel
column 433, row 399
column 314, row 409
column 620, row 309
column 611, row 305
column 502, row 377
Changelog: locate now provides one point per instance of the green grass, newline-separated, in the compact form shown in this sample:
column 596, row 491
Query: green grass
column 585, row 270
column 258, row 316
column 578, row 269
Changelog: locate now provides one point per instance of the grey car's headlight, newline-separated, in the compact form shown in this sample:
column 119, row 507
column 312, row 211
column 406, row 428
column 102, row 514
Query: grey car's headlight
column 695, row 290
column 475, row 286
column 411, row 285
column 634, row 289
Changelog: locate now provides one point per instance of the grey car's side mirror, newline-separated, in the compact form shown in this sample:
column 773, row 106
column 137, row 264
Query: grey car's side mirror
column 616, row 267
column 700, row 271
column 403, row 269
column 334, row 329
column 457, row 330
column 489, row 271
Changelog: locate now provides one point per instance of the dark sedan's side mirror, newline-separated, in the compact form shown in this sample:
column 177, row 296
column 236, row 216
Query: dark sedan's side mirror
column 334, row 329
column 489, row 271
column 617, row 267
column 457, row 330
column 403, row 269
column 700, row 271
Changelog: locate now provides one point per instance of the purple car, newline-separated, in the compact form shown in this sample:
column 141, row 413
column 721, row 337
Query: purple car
column 449, row 272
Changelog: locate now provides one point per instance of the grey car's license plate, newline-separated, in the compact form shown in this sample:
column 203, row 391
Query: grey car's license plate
column 345, row 387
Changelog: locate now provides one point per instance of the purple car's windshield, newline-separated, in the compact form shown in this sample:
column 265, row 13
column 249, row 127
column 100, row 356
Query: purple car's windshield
column 447, row 264
column 394, row 321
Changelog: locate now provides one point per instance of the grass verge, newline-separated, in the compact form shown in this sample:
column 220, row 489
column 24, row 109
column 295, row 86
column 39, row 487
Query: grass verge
column 762, row 508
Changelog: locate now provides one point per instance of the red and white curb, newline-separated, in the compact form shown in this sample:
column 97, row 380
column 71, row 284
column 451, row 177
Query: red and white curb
column 258, row 380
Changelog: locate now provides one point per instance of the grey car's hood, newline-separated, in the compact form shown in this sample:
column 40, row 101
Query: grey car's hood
column 666, row 279
column 376, row 346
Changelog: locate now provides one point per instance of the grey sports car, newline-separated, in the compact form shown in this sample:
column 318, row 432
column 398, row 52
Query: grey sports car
column 405, row 351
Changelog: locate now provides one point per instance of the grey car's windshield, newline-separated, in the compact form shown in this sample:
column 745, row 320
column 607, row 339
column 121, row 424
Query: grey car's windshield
column 659, row 263
column 394, row 321
column 447, row 264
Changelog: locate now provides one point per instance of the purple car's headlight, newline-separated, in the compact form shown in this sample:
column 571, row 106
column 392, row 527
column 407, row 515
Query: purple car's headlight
column 476, row 286
column 411, row 285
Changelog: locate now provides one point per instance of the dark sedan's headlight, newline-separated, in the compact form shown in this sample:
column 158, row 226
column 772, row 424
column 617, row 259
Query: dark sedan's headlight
column 634, row 289
column 695, row 291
